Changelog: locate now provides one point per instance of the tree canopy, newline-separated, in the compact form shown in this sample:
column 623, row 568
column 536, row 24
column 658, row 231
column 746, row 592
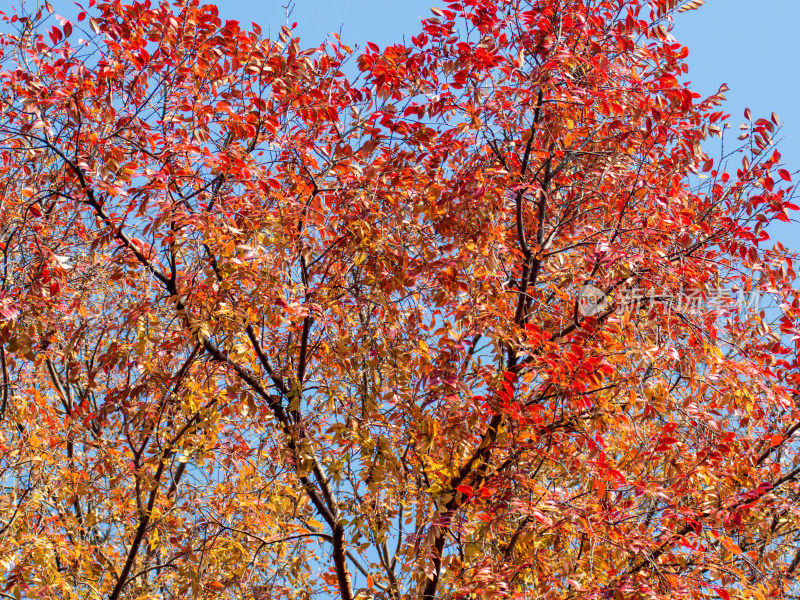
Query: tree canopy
column 479, row 316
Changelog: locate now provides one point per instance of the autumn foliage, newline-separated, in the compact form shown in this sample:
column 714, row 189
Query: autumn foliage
column 300, row 323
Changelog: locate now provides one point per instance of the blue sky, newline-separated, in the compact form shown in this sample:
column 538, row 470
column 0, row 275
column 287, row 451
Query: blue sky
column 754, row 47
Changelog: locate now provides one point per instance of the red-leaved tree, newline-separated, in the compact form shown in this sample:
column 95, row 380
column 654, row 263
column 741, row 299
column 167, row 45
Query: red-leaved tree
column 473, row 317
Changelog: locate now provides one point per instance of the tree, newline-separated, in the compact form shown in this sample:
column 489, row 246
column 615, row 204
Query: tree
column 479, row 322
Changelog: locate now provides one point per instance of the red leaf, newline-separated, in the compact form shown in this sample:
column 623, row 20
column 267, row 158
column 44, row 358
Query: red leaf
column 9, row 312
column 465, row 489
column 784, row 174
